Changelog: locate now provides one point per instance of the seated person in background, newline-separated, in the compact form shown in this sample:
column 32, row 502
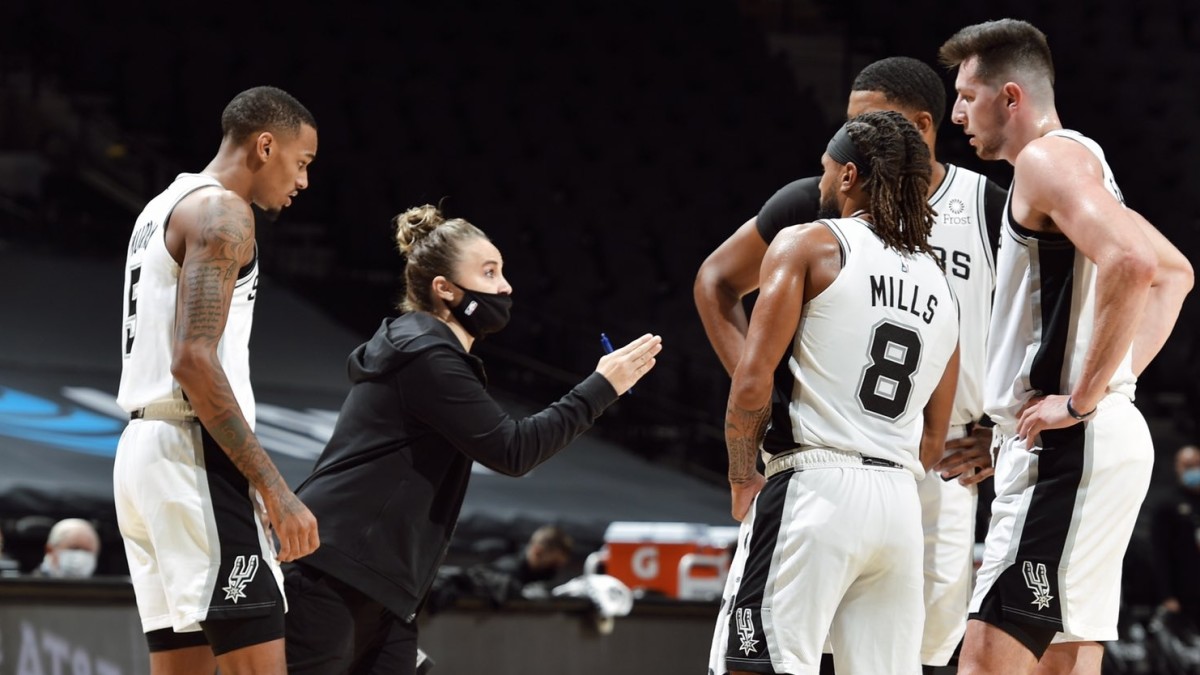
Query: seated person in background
column 546, row 554
column 8, row 566
column 1175, row 536
column 71, row 550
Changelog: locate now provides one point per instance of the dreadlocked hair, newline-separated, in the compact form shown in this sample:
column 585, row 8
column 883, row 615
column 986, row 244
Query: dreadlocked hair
column 898, row 180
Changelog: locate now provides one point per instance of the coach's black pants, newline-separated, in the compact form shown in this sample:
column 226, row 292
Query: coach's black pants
column 332, row 628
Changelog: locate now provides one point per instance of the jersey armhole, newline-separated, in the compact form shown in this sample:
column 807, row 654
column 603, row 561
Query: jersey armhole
column 985, row 217
column 171, row 212
column 843, row 243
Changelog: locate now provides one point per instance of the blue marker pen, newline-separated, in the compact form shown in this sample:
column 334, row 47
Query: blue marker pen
column 608, row 349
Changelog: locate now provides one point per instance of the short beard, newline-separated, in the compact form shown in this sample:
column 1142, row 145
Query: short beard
column 262, row 215
column 991, row 149
column 829, row 208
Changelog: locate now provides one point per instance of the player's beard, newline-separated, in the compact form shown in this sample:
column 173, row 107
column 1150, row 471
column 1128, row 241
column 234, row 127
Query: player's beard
column 271, row 215
column 829, row 207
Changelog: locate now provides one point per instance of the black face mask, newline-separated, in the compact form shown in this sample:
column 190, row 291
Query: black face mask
column 482, row 313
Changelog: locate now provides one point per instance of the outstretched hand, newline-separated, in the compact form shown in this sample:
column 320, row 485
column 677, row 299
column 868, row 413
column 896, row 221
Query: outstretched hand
column 625, row 366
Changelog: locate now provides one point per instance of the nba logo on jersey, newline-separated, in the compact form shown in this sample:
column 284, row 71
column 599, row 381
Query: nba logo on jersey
column 745, row 627
column 243, row 573
column 1038, row 582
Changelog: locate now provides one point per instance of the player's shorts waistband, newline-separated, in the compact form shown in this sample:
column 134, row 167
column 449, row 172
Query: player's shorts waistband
column 816, row 458
column 174, row 411
column 1113, row 398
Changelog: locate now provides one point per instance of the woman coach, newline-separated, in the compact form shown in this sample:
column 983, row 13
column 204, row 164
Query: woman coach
column 388, row 488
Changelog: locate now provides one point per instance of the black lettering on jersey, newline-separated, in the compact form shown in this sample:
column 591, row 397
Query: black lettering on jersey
column 930, row 306
column 892, row 293
column 141, row 237
column 959, row 264
column 878, row 293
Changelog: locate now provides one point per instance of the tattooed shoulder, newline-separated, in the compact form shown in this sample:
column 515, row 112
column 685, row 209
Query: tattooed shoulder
column 225, row 226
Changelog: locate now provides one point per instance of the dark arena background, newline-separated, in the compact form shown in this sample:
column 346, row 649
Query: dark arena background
column 606, row 147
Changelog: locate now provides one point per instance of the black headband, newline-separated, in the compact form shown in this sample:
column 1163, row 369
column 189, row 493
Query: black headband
column 841, row 150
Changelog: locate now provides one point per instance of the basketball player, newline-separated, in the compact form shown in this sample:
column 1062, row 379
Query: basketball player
column 965, row 230
column 192, row 483
column 1087, row 292
column 855, row 312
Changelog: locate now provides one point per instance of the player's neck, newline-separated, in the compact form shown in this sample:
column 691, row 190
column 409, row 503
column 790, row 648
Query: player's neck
column 936, row 177
column 1037, row 124
column 229, row 168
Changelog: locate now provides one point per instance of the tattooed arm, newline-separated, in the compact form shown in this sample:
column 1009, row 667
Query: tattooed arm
column 744, row 430
column 211, row 234
column 801, row 262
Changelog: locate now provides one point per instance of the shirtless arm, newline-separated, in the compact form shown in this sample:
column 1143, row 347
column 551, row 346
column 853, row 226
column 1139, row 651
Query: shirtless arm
column 1059, row 180
column 1173, row 279
column 785, row 283
column 725, row 277
column 217, row 230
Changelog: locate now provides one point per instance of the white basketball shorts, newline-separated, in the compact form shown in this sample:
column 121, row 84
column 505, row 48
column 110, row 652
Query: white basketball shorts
column 193, row 529
column 1061, row 521
column 830, row 548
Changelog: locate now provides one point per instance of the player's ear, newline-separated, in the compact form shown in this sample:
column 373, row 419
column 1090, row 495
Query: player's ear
column 923, row 121
column 264, row 145
column 849, row 176
column 1013, row 95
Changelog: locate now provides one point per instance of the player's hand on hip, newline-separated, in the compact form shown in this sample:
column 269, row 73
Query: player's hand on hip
column 969, row 459
column 625, row 366
column 743, row 495
column 294, row 526
column 1042, row 414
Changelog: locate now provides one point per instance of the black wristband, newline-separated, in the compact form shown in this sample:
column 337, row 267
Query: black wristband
column 1076, row 414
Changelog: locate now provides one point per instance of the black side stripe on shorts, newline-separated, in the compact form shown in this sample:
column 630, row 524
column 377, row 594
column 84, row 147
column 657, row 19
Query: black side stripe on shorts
column 1029, row 587
column 747, row 648
column 245, row 585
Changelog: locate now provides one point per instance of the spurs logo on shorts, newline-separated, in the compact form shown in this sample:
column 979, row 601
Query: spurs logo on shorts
column 745, row 626
column 243, row 573
column 1038, row 582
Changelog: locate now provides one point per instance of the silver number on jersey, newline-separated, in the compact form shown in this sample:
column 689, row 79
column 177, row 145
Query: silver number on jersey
column 135, row 273
column 886, row 382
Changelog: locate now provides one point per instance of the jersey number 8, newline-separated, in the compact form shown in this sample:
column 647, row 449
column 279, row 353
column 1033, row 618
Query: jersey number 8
column 886, row 382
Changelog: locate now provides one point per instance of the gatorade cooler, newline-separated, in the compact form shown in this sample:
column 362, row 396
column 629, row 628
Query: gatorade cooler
column 688, row 561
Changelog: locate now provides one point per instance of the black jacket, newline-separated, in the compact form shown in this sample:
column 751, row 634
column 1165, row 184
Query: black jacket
column 387, row 490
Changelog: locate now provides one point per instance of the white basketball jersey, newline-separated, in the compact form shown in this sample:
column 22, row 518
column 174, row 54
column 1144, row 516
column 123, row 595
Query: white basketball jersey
column 960, row 238
column 151, row 284
column 869, row 351
column 1046, row 307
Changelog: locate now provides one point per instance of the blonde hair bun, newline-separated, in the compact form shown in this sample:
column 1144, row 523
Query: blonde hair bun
column 416, row 224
